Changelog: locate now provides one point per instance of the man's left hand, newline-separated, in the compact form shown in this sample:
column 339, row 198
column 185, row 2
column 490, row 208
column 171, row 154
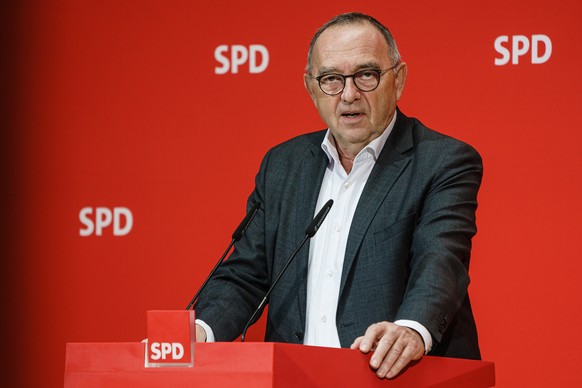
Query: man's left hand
column 393, row 346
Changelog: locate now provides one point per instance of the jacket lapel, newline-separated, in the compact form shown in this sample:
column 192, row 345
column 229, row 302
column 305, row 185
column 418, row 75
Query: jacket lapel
column 391, row 163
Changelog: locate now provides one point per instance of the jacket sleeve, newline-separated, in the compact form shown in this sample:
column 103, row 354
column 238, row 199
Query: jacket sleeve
column 240, row 283
column 441, row 241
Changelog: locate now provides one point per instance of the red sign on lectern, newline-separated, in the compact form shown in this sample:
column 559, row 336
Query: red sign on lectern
column 171, row 337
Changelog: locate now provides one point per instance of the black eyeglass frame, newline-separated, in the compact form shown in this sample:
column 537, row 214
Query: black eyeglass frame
column 378, row 72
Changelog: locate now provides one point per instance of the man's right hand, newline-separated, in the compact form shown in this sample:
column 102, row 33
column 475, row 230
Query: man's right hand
column 200, row 334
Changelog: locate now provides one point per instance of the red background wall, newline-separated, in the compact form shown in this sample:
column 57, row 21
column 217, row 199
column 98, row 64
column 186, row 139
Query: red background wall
column 117, row 104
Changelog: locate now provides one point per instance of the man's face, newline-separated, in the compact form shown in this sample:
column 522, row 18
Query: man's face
column 355, row 118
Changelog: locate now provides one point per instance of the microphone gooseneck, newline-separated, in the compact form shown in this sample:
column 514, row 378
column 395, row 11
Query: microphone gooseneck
column 236, row 235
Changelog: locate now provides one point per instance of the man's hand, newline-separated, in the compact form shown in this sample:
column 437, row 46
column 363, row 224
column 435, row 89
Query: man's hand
column 393, row 346
column 200, row 334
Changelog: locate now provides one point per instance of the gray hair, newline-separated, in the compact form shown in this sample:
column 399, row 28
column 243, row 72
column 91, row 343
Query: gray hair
column 355, row 18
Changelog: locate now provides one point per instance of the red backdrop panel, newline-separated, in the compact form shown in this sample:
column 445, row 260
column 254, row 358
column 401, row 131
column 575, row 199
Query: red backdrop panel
column 118, row 105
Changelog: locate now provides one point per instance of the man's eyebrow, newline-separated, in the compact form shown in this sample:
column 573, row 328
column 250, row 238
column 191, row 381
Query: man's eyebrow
column 361, row 66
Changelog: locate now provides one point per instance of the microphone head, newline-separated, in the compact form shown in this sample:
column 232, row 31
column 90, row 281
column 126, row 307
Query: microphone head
column 240, row 231
column 318, row 220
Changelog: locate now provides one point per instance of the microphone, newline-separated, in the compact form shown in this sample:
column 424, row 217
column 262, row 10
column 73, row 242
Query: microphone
column 309, row 232
column 236, row 235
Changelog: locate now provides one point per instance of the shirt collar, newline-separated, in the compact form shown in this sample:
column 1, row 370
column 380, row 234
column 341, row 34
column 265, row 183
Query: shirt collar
column 373, row 149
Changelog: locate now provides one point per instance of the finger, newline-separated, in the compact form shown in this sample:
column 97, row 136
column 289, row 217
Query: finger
column 401, row 362
column 406, row 349
column 387, row 339
column 386, row 354
column 356, row 343
column 373, row 333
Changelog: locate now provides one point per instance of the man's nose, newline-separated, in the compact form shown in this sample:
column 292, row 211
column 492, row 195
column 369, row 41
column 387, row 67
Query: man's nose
column 350, row 92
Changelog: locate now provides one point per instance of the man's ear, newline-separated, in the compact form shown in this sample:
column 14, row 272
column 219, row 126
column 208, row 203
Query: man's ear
column 401, row 73
column 309, row 84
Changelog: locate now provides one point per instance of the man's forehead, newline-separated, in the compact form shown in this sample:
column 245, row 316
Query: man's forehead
column 347, row 34
column 353, row 46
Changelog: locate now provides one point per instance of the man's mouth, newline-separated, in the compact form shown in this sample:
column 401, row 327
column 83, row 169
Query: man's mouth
column 350, row 115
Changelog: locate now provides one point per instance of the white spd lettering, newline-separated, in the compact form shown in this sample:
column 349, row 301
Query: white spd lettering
column 96, row 220
column 234, row 57
column 519, row 45
column 161, row 351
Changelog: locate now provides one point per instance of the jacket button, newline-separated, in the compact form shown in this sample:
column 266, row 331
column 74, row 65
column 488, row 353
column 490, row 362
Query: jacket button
column 299, row 335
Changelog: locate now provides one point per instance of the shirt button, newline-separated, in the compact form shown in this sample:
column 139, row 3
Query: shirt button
column 324, row 319
column 330, row 274
column 338, row 228
column 347, row 185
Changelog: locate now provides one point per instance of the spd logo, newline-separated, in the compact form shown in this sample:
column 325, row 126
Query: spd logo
column 231, row 58
column 171, row 337
column 166, row 351
column 96, row 220
column 513, row 47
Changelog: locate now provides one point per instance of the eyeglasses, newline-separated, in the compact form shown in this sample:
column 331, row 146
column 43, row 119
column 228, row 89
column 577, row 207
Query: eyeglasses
column 365, row 80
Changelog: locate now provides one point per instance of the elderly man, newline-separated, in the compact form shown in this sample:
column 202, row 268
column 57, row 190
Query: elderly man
column 388, row 270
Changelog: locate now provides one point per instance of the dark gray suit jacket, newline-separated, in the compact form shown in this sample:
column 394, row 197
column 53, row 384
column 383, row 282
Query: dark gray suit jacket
column 408, row 249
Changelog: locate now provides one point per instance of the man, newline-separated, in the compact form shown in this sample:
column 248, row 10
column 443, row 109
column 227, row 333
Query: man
column 388, row 270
